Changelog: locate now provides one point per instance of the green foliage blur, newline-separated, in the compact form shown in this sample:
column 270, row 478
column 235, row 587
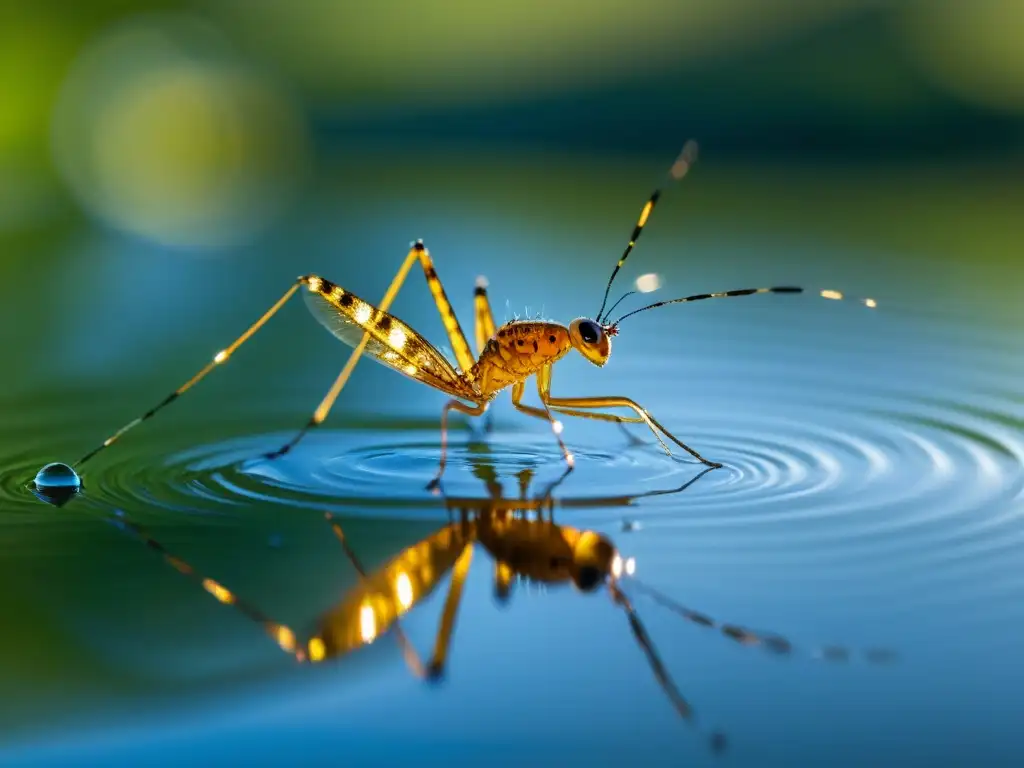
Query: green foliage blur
column 795, row 81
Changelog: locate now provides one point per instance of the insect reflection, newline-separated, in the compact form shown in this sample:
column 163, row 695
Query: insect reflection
column 521, row 537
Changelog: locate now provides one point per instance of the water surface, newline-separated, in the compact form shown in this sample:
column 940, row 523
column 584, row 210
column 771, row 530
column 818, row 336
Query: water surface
column 871, row 497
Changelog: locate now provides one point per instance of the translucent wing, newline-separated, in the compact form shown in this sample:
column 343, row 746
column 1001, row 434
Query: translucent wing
column 370, row 609
column 392, row 342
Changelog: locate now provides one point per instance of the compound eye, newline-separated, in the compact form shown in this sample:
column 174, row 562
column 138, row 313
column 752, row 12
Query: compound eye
column 590, row 331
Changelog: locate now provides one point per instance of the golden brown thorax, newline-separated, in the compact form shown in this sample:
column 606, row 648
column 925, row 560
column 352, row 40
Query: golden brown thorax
column 516, row 351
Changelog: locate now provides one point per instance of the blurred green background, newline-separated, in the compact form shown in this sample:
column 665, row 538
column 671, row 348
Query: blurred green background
column 205, row 125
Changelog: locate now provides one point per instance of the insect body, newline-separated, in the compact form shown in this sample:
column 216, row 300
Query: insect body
column 507, row 356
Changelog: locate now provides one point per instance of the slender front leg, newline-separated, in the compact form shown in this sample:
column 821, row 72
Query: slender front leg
column 452, row 405
column 544, row 388
column 556, row 426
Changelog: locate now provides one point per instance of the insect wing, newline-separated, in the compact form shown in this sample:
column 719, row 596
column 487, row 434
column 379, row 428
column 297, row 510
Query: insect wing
column 392, row 342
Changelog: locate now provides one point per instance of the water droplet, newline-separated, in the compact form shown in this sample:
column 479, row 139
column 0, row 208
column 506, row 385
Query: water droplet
column 56, row 483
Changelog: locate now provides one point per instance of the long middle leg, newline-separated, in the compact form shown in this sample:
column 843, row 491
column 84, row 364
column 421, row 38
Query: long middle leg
column 544, row 389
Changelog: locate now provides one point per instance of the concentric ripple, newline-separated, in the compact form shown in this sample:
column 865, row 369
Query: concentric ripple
column 824, row 463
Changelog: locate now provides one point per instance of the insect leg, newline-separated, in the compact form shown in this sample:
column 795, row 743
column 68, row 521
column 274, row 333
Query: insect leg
column 598, row 416
column 451, row 608
column 451, row 323
column 320, row 414
column 485, row 327
column 412, row 659
column 457, row 405
column 542, row 413
column 612, row 417
column 279, row 633
column 544, row 384
column 218, row 359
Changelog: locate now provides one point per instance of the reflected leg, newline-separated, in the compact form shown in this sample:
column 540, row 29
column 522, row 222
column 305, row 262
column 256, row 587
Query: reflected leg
column 412, row 659
column 451, row 608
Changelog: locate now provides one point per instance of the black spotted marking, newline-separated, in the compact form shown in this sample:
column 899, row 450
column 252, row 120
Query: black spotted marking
column 501, row 334
column 479, row 291
column 384, row 323
column 419, row 246
column 535, row 348
column 519, row 342
column 346, row 300
column 326, row 286
column 743, row 292
column 551, row 338
column 431, row 273
column 166, row 401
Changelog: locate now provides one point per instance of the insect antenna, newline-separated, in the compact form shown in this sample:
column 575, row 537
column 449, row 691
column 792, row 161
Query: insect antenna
column 613, row 306
column 771, row 642
column 825, row 294
column 687, row 157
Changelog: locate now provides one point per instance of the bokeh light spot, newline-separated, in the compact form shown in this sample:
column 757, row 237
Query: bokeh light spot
column 161, row 131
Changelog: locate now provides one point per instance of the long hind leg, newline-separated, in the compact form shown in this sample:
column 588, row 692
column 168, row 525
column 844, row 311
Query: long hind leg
column 218, row 359
column 417, row 252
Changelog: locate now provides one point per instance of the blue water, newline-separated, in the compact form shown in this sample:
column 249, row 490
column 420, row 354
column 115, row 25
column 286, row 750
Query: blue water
column 871, row 498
